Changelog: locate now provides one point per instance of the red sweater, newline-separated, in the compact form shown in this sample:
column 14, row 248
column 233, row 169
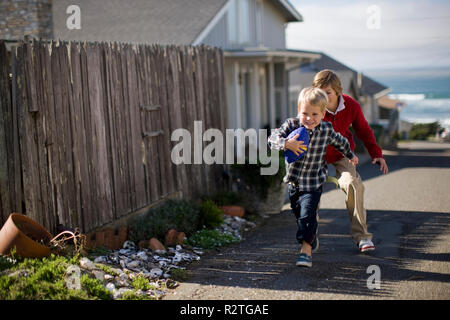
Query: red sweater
column 353, row 116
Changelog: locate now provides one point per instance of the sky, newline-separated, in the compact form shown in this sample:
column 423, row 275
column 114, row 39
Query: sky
column 375, row 35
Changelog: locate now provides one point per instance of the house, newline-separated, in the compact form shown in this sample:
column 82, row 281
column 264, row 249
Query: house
column 379, row 110
column 251, row 33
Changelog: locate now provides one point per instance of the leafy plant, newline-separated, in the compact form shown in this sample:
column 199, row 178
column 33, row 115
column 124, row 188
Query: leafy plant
column 210, row 214
column 141, row 283
column 94, row 288
column 225, row 198
column 210, row 239
column 182, row 215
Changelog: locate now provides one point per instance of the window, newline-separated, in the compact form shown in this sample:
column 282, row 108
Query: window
column 239, row 21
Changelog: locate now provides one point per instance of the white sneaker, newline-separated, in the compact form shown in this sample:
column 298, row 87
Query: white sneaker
column 366, row 245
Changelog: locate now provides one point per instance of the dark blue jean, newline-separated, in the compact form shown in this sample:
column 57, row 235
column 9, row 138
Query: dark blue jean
column 304, row 205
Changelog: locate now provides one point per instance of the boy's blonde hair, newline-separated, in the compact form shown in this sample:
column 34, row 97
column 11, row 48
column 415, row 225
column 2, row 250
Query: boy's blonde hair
column 313, row 96
column 327, row 78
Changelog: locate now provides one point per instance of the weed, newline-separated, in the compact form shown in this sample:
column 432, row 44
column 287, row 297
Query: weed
column 106, row 268
column 179, row 274
column 94, row 288
column 5, row 263
column 182, row 215
column 210, row 239
column 141, row 283
column 36, row 279
column 211, row 216
column 133, row 295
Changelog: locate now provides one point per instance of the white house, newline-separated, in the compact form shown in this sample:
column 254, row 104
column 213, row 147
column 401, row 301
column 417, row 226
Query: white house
column 251, row 33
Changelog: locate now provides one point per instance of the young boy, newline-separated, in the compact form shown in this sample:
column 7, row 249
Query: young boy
column 343, row 112
column 306, row 175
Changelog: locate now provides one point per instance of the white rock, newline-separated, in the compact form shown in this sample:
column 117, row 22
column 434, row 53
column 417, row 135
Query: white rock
column 110, row 287
column 129, row 245
column 177, row 258
column 118, row 271
column 123, row 276
column 178, row 247
column 85, row 263
column 162, row 264
column 123, row 263
column 141, row 255
column 100, row 275
column 108, row 277
column 119, row 292
column 100, row 259
column 156, row 273
column 133, row 264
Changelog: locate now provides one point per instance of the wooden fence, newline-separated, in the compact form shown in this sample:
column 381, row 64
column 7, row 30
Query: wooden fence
column 85, row 128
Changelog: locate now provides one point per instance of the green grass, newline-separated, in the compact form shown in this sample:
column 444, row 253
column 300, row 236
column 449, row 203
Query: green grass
column 210, row 239
column 44, row 279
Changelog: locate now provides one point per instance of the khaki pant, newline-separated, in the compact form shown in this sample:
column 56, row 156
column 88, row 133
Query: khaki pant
column 350, row 182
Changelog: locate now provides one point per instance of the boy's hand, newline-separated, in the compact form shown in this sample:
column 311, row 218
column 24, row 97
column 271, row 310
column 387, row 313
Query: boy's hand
column 382, row 163
column 354, row 161
column 295, row 146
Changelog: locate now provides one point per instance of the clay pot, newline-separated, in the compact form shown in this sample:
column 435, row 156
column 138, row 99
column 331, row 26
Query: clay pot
column 173, row 237
column 26, row 236
column 155, row 244
column 234, row 211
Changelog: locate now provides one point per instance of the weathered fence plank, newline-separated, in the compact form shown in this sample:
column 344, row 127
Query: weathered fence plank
column 87, row 128
column 6, row 187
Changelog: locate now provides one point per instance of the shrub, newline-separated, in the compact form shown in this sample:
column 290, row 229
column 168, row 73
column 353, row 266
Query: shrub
column 182, row 215
column 225, row 198
column 210, row 214
column 421, row 131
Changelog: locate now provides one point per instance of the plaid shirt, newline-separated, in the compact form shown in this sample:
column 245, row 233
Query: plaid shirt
column 311, row 171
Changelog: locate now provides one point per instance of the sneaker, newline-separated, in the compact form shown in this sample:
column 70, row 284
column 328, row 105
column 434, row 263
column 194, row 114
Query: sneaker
column 304, row 260
column 366, row 245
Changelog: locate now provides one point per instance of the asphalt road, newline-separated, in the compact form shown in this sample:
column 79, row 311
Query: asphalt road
column 408, row 214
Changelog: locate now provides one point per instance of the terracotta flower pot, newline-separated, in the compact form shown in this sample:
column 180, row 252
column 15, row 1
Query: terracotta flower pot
column 173, row 237
column 234, row 211
column 26, row 235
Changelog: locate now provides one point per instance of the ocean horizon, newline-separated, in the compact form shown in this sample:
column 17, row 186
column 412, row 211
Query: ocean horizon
column 426, row 93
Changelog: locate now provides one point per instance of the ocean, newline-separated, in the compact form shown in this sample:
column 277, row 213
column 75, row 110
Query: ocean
column 425, row 92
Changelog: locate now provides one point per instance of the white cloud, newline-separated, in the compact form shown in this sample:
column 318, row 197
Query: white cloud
column 408, row 34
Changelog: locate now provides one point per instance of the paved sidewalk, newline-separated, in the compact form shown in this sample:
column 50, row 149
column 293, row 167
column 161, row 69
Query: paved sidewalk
column 408, row 214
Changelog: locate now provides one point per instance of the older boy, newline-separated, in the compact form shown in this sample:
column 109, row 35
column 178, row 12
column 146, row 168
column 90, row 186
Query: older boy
column 343, row 112
column 306, row 175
